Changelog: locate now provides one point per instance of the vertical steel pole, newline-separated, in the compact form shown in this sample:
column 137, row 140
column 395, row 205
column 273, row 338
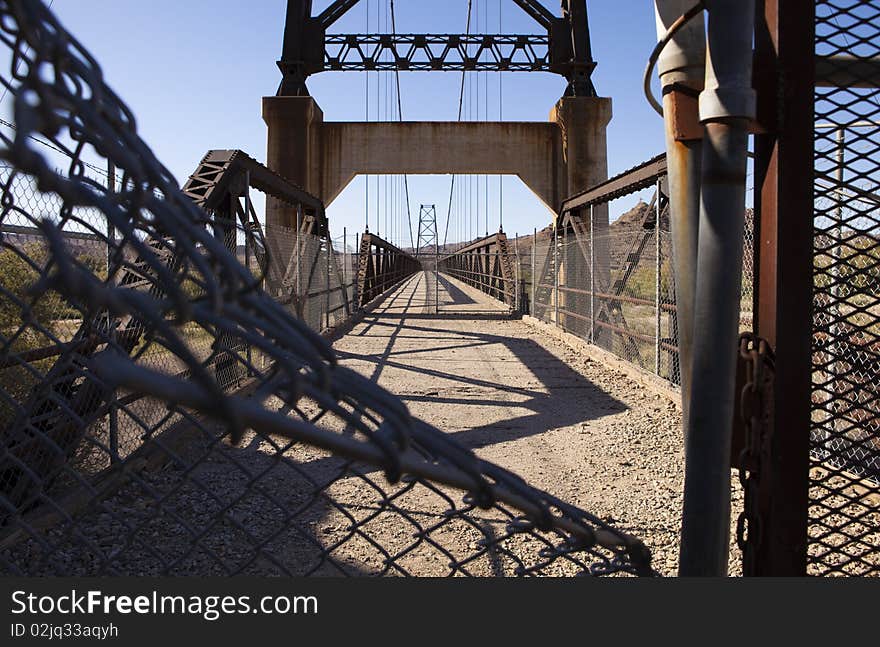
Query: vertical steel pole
column 247, row 252
column 516, row 304
column 329, row 273
column 298, row 248
column 556, row 273
column 592, row 282
column 657, row 267
column 681, row 68
column 345, row 265
column 784, row 192
column 356, row 266
column 436, row 273
column 727, row 105
column 113, row 413
column 534, row 272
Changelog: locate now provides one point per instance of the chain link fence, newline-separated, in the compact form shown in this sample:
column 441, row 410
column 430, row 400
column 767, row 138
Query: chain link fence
column 315, row 278
column 166, row 413
column 844, row 512
column 615, row 288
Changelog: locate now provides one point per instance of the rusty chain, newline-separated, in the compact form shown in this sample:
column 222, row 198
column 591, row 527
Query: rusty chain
column 755, row 409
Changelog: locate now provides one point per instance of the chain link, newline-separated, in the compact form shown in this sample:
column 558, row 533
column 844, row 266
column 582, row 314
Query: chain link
column 755, row 400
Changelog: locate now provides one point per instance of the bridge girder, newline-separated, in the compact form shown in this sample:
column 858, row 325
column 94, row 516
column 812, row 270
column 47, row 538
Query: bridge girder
column 564, row 50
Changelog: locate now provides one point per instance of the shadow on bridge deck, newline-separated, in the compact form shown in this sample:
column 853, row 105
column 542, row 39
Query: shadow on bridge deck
column 470, row 369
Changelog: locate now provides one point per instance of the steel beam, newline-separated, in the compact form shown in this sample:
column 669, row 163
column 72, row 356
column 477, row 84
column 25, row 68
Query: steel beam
column 784, row 204
column 635, row 179
column 564, row 49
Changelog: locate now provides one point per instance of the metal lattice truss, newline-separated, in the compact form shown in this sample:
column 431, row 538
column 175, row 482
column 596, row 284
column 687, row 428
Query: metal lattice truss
column 487, row 265
column 450, row 53
column 221, row 186
column 225, row 174
column 563, row 47
column 382, row 267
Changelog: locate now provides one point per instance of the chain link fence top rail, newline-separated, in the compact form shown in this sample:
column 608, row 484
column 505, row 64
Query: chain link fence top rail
column 844, row 513
column 141, row 436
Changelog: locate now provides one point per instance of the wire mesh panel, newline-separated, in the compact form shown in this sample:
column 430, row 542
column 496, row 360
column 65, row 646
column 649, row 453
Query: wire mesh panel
column 311, row 284
column 290, row 465
column 616, row 287
column 844, row 513
column 544, row 279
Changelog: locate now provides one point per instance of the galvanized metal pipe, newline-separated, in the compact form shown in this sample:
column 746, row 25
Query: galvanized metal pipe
column 726, row 106
column 682, row 65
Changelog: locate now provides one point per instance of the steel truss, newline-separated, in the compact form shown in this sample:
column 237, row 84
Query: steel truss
column 563, row 49
column 485, row 264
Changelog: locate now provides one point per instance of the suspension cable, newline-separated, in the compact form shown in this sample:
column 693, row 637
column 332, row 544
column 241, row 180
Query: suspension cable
column 501, row 118
column 460, row 108
column 400, row 117
column 367, row 105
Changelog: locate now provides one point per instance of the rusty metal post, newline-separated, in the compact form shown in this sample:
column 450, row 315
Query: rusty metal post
column 784, row 174
column 299, row 248
column 437, row 275
column 681, row 68
column 345, row 264
column 247, row 253
column 357, row 271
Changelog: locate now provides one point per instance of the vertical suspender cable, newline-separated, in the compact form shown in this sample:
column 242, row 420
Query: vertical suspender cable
column 460, row 106
column 367, row 105
column 486, row 111
column 400, row 117
column 378, row 95
column 500, row 118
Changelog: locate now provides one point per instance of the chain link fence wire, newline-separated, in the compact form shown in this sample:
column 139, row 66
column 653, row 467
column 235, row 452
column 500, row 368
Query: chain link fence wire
column 312, row 283
column 844, row 513
column 163, row 415
column 615, row 287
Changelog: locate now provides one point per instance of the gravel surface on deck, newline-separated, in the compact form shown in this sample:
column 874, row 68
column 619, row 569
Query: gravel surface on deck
column 533, row 404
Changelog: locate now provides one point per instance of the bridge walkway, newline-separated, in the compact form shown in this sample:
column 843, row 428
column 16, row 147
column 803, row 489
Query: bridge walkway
column 529, row 402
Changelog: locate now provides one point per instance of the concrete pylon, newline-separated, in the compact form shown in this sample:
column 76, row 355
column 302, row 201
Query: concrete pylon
column 555, row 159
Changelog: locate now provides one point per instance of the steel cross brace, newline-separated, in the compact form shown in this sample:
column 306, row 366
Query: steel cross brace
column 564, row 49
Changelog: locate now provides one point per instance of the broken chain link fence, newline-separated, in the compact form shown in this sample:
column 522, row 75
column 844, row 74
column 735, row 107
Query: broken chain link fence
column 162, row 414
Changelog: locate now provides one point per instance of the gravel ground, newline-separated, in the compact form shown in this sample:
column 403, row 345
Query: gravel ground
column 520, row 398
column 533, row 404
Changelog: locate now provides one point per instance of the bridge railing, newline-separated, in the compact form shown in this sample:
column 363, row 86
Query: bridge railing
column 299, row 266
column 381, row 267
column 612, row 285
column 488, row 265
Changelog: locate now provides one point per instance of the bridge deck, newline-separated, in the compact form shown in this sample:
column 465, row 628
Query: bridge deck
column 530, row 403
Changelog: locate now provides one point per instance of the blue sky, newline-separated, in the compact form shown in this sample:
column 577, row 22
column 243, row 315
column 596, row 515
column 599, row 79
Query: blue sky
column 194, row 72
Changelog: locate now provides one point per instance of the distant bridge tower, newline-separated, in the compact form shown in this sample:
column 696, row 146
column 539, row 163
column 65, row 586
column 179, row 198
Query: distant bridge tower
column 427, row 241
